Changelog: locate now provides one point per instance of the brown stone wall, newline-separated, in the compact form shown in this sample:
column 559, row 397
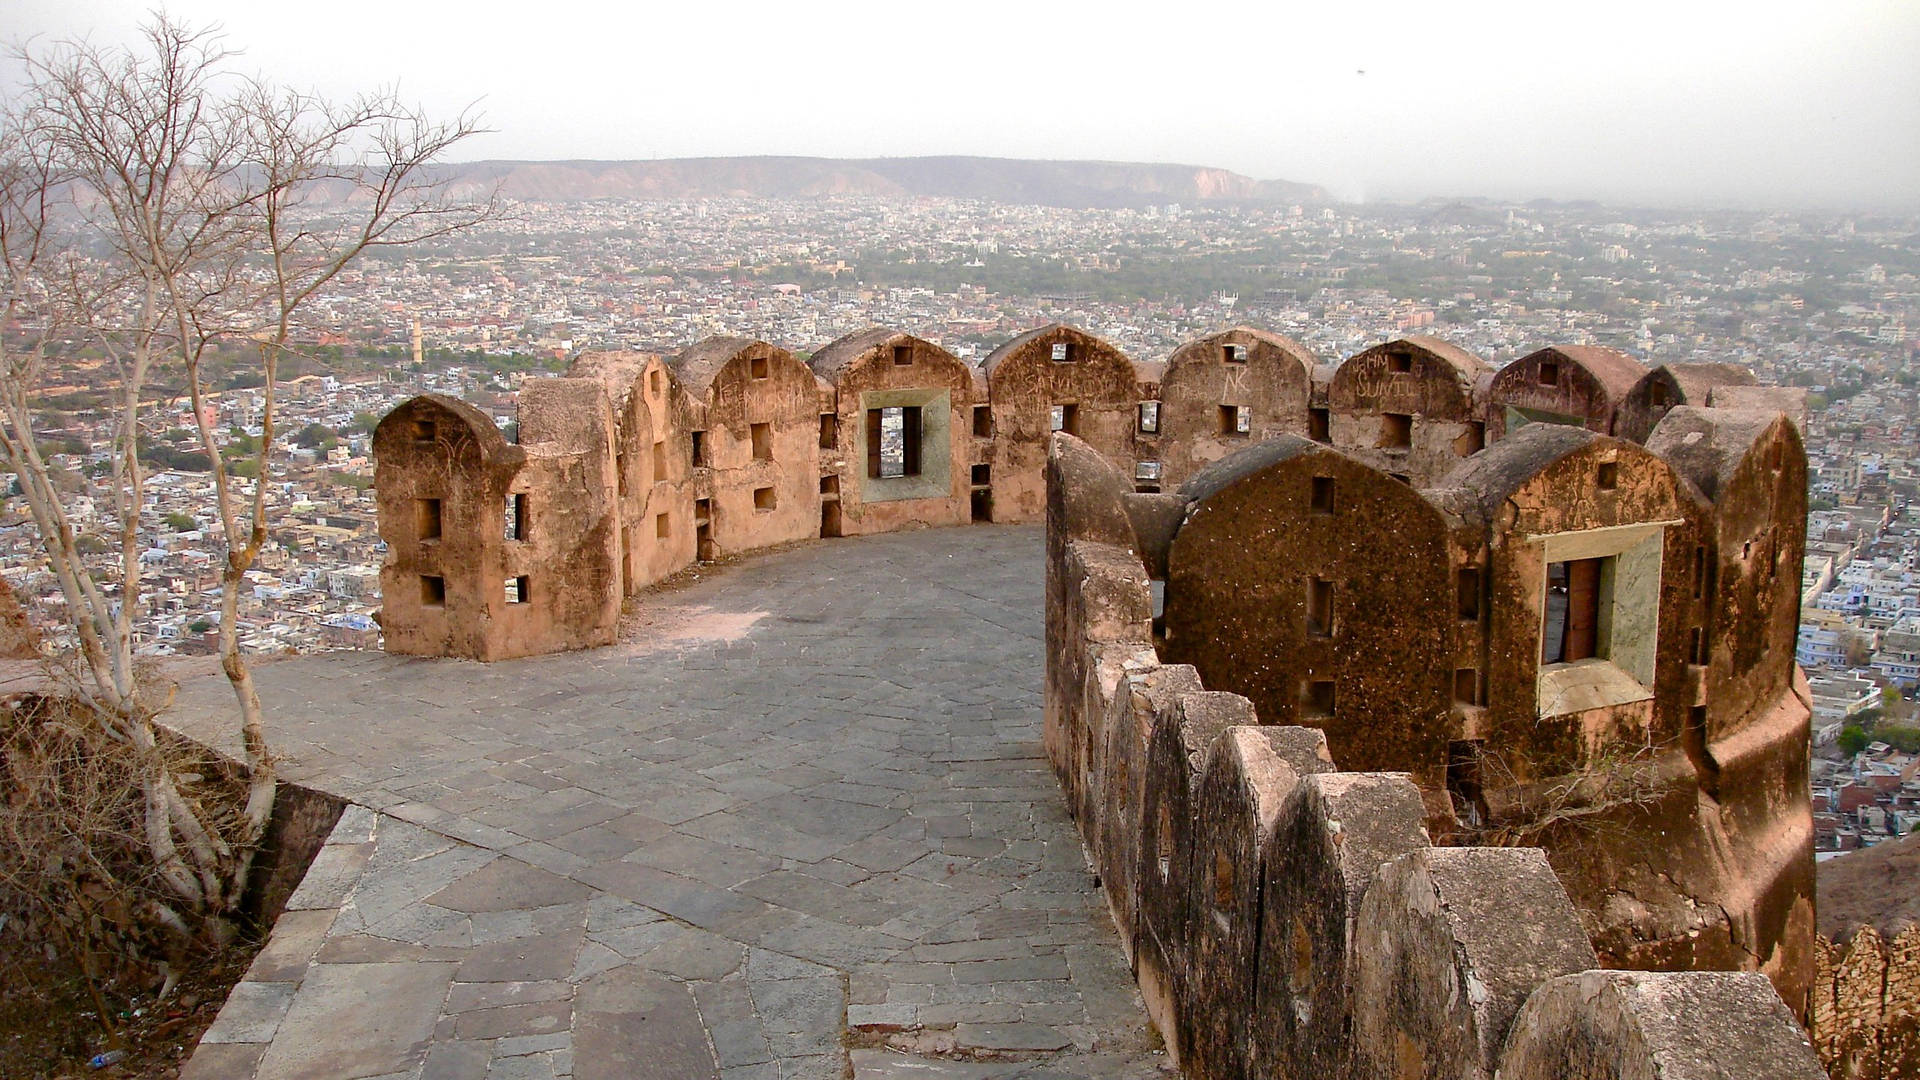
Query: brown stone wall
column 1405, row 378
column 1240, row 581
column 1548, row 382
column 1024, row 382
column 761, row 384
column 1866, row 1005
column 876, row 379
column 1272, row 381
column 565, row 554
column 441, row 475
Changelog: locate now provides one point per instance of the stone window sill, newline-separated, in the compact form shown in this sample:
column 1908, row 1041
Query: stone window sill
column 1586, row 684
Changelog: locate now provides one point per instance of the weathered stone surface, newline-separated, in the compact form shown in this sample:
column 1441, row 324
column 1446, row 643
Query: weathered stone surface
column 357, row 1020
column 509, row 885
column 630, row 1026
column 1449, row 943
column 1691, row 1025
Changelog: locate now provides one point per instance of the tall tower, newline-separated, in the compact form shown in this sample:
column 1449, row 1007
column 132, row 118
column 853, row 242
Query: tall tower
column 419, row 354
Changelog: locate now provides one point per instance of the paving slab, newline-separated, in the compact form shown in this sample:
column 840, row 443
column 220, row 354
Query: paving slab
column 733, row 856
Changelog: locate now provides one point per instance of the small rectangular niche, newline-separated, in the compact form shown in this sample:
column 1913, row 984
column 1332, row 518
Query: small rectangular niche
column 981, row 505
column 517, row 523
column 1319, row 425
column 1697, row 645
column 761, row 436
column 424, row 431
column 660, row 461
column 1316, row 699
column 433, row 591
column 902, row 355
column 1396, row 431
column 1466, row 686
column 1399, row 363
column 662, row 526
column 830, row 484
column 702, row 511
column 1149, row 418
column 1467, row 593
column 983, row 421
column 1062, row 352
column 518, row 591
column 980, row 475
column 699, row 440
column 653, row 381
column 763, row 498
column 620, row 472
column 758, row 367
column 1319, row 607
column 1607, row 476
column 1321, row 501
column 1065, row 418
column 1236, row 420
column 1549, row 373
column 1471, row 441
column 1236, row 354
column 1147, row 470
column 426, row 519
column 829, row 430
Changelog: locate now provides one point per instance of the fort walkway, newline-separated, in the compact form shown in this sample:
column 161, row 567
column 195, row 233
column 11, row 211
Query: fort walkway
column 798, row 825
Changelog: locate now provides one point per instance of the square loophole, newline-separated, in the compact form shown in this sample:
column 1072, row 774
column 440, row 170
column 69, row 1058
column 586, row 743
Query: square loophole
column 433, row 591
column 764, row 498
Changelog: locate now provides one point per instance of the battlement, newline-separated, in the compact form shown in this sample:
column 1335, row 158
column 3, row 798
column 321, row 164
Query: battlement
column 1424, row 917
column 633, row 466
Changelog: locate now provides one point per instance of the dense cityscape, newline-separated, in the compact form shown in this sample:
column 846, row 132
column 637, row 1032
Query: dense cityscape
column 1823, row 302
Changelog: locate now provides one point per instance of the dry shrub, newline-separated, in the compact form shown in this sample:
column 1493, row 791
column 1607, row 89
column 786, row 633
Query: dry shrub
column 76, row 877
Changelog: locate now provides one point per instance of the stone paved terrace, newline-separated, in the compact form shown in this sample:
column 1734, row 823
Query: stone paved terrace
column 801, row 826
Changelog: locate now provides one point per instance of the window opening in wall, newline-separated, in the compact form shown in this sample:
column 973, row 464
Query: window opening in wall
column 433, row 591
column 1549, row 374
column 699, row 439
column 1657, row 395
column 1471, row 441
column 829, row 430
column 903, row 355
column 1706, row 769
column 620, row 471
column 1464, row 784
column 982, row 505
column 1146, row 470
column 1399, row 363
column 758, row 367
column 1062, row 352
column 517, row 591
column 980, row 475
column 894, row 435
column 1396, row 431
column 830, row 484
column 702, row 510
column 1149, row 418
column 1402, row 477
column 662, row 526
column 1319, row 425
column 659, row 461
column 764, row 499
column 1466, row 686
column 1319, row 607
column 517, row 523
column 1066, row 418
column 426, row 519
column 1236, row 354
column 423, row 431
column 1607, row 476
column 1235, row 420
column 653, row 381
column 1316, row 698
column 1467, row 593
column 1697, row 645
column 761, row 436
column 983, row 421
column 1321, row 500
column 1572, row 628
column 830, row 519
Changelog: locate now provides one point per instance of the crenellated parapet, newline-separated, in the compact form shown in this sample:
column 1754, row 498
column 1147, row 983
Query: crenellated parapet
column 1291, row 919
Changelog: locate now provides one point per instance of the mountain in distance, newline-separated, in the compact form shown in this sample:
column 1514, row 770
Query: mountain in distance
column 1074, row 184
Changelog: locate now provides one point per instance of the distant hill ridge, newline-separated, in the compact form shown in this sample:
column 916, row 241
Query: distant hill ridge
column 1005, row 180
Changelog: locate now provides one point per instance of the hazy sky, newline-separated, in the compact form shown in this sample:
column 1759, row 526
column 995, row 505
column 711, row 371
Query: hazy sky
column 1748, row 102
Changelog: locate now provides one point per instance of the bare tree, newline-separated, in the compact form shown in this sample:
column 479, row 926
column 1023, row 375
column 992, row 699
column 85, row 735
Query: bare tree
column 157, row 207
